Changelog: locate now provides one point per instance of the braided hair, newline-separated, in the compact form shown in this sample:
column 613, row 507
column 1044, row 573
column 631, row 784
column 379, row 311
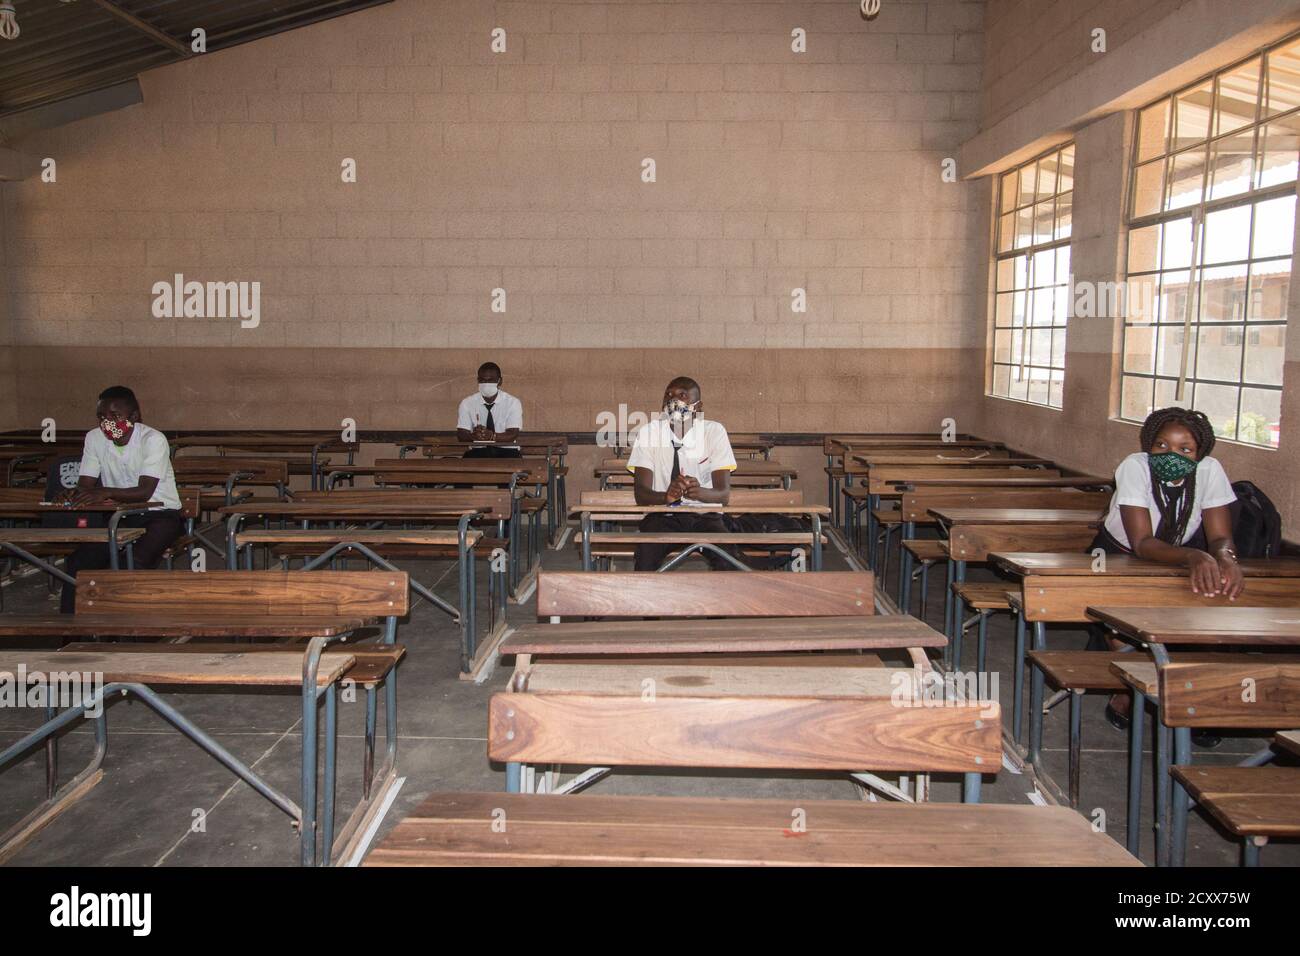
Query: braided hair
column 1176, row 510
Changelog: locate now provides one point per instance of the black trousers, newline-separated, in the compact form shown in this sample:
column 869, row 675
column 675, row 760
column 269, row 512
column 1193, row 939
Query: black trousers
column 650, row 556
column 491, row 451
column 161, row 528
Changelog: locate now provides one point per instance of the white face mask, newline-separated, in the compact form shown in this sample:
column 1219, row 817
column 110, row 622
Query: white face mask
column 487, row 389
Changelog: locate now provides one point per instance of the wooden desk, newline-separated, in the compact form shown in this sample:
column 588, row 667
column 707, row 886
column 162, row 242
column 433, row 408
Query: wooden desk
column 745, row 468
column 589, row 513
column 449, row 829
column 18, row 541
column 1262, row 626
column 360, row 540
column 1288, row 740
column 725, row 636
column 170, row 624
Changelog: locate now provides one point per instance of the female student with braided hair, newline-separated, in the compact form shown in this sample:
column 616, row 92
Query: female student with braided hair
column 1171, row 505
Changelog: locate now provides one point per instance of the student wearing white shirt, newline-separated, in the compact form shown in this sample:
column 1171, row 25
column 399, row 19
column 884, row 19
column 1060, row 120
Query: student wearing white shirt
column 1164, row 495
column 681, row 460
column 490, row 415
column 125, row 462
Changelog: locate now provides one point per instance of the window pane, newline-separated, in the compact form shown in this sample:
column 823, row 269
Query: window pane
column 1265, row 354
column 1226, row 237
column 1274, row 227
column 1140, row 299
column 1261, row 415
column 1018, row 309
column 1153, row 125
column 1140, row 349
column 1223, row 294
column 1046, row 177
column 1058, row 348
column 1279, row 142
column 1008, row 190
column 1062, row 265
column 1064, row 216
column 1219, row 402
column 1006, row 231
column 1172, row 306
column 1043, row 221
column 1039, row 381
column 1007, row 273
column 1166, row 394
column 1284, row 79
column 1135, row 402
column 1218, row 352
column 1044, row 272
column 1001, row 379
column 1002, row 313
column 1186, row 175
column 1148, row 188
column 1192, row 115
column 1177, row 246
column 1169, row 350
column 1027, row 185
column 1019, row 385
column 1002, row 346
column 1270, row 288
column 1232, row 165
column 1024, row 227
column 1238, row 94
column 1144, row 249
column 1040, row 346
column 1041, row 307
column 1065, row 170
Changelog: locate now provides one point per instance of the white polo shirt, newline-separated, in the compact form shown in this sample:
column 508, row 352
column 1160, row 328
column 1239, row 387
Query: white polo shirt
column 1133, row 487
column 145, row 453
column 507, row 412
column 704, row 450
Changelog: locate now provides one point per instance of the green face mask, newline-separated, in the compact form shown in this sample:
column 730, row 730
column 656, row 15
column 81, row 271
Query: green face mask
column 1171, row 466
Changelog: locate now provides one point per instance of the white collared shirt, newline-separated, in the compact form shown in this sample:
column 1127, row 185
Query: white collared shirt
column 1133, row 487
column 146, row 453
column 507, row 412
column 704, row 450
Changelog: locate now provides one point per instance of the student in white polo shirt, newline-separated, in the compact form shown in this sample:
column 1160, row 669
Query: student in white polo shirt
column 490, row 415
column 125, row 462
column 682, row 460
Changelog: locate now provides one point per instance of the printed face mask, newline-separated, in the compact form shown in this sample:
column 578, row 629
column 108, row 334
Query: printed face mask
column 679, row 412
column 116, row 429
column 487, row 389
column 1171, row 466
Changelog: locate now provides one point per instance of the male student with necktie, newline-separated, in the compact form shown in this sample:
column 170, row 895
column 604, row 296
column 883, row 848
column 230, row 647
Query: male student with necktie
column 490, row 415
column 682, row 460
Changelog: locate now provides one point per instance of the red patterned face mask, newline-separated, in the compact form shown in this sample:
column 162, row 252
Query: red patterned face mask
column 116, row 429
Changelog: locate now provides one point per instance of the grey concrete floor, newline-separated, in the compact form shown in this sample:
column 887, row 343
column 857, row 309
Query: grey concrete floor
column 164, row 802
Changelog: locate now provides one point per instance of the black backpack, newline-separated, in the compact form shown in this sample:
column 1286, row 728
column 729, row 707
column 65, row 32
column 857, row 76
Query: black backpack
column 1256, row 525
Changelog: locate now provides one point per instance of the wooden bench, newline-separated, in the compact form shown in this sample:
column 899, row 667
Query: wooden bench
column 322, row 607
column 620, row 506
column 759, row 730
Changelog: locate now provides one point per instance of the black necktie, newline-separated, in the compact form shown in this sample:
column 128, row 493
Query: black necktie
column 677, row 464
column 490, row 425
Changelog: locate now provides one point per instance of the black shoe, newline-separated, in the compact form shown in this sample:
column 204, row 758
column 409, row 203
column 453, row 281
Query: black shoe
column 1116, row 719
column 1206, row 739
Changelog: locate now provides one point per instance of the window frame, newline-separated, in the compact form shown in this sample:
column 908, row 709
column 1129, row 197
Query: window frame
column 1197, row 213
column 1059, row 324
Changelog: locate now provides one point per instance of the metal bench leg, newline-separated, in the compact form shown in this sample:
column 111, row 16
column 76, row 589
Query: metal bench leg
column 1181, row 804
column 983, row 640
column 1164, row 744
column 1137, row 713
column 925, row 589
column 1018, row 678
column 328, row 784
column 1250, row 848
column 1036, row 697
column 1076, row 735
column 970, row 788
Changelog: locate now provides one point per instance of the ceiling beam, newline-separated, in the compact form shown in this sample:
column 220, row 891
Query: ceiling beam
column 148, row 29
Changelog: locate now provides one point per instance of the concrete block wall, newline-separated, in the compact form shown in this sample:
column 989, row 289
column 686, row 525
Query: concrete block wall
column 522, row 171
